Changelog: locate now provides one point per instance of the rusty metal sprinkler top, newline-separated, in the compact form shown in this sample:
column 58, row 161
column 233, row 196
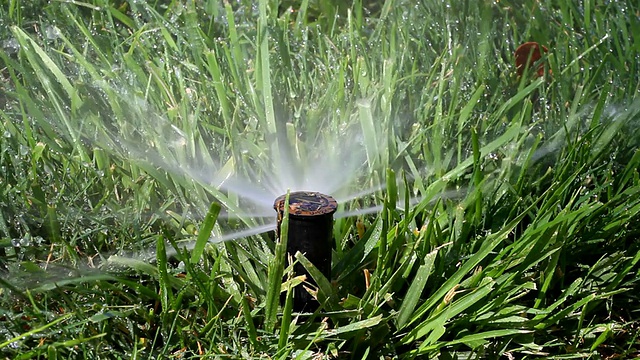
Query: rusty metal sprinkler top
column 307, row 203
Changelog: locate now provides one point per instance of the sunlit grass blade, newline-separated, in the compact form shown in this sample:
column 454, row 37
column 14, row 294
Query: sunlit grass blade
column 205, row 232
column 371, row 142
column 276, row 270
column 416, row 289
column 326, row 294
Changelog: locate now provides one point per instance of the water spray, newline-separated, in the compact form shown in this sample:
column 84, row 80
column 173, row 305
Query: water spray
column 310, row 232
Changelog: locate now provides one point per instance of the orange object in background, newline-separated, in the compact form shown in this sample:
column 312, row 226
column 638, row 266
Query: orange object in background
column 526, row 56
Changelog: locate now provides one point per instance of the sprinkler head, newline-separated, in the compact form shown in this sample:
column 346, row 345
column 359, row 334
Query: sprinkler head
column 310, row 232
column 307, row 204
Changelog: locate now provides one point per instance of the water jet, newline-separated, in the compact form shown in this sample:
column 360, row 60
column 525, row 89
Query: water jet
column 310, row 232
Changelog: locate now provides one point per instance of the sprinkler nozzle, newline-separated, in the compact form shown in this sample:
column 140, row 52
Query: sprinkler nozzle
column 310, row 232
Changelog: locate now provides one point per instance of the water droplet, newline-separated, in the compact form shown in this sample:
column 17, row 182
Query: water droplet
column 21, row 242
column 11, row 46
column 52, row 32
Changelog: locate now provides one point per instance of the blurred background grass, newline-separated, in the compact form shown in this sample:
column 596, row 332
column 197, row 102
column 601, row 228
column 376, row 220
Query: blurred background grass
column 120, row 118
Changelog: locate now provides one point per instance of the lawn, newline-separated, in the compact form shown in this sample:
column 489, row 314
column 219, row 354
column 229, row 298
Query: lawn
column 486, row 209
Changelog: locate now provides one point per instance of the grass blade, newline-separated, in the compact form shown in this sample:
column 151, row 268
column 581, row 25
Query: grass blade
column 276, row 270
column 416, row 289
column 205, row 232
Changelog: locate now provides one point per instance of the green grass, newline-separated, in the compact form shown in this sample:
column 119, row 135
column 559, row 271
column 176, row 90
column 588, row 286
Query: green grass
column 117, row 119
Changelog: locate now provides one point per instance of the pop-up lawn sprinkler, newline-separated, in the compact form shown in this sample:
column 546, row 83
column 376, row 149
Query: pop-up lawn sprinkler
column 310, row 232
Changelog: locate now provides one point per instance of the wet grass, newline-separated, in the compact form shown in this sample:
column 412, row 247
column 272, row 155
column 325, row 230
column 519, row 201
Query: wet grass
column 506, row 208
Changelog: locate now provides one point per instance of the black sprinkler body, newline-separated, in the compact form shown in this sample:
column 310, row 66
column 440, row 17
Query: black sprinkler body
column 310, row 232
